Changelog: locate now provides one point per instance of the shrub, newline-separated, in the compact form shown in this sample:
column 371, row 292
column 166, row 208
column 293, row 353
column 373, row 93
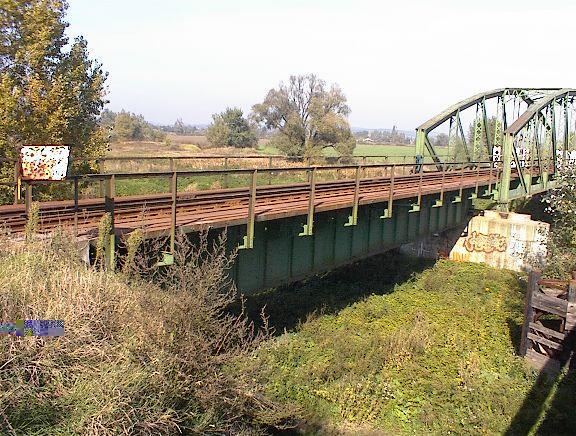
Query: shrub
column 562, row 239
column 136, row 357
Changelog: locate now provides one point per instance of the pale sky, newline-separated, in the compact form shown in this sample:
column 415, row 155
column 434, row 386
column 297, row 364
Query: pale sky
column 398, row 62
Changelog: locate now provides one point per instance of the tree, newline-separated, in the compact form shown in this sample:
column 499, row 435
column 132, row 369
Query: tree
column 441, row 140
column 561, row 202
column 231, row 129
column 309, row 116
column 127, row 126
column 51, row 92
column 180, row 128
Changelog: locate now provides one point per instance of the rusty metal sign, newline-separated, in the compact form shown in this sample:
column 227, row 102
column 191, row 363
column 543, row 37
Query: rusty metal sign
column 46, row 162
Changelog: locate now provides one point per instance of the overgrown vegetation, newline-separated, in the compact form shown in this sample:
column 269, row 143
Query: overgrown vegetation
column 136, row 358
column 435, row 356
column 561, row 203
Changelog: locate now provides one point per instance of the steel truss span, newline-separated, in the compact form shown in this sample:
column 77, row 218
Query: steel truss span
column 521, row 127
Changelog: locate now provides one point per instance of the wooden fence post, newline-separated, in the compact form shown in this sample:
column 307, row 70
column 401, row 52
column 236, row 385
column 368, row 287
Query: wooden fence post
column 533, row 279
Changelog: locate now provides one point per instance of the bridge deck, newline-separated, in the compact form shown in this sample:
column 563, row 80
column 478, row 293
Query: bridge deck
column 225, row 207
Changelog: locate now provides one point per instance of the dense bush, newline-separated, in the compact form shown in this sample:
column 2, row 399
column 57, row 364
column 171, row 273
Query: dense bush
column 231, row 129
column 561, row 203
column 136, row 358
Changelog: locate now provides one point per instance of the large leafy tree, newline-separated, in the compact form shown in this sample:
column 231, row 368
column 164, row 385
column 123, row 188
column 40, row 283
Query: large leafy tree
column 561, row 202
column 308, row 115
column 231, row 129
column 50, row 90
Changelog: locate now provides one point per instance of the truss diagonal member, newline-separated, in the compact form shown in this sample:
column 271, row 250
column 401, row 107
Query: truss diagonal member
column 529, row 95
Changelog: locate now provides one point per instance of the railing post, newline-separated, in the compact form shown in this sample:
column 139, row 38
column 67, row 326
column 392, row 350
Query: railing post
column 353, row 219
column 489, row 191
column 249, row 238
column 16, row 182
column 309, row 226
column 528, row 310
column 168, row 256
column 475, row 193
column 389, row 206
column 226, row 174
column 100, row 181
column 28, row 198
column 174, row 192
column 458, row 199
column 76, row 206
column 270, row 172
column 440, row 201
column 416, row 207
column 109, row 254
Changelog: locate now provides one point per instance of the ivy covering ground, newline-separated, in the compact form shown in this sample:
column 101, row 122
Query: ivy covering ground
column 437, row 355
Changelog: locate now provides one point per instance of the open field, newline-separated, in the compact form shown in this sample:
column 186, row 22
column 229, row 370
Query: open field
column 184, row 147
column 360, row 150
column 145, row 148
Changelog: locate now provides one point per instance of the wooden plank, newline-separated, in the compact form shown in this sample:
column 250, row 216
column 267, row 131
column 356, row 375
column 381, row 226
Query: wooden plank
column 543, row 363
column 544, row 341
column 554, row 284
column 528, row 310
column 549, row 304
column 572, row 291
column 540, row 328
column 554, row 292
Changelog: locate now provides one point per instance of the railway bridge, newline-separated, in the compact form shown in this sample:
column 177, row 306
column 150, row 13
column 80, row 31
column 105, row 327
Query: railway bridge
column 298, row 219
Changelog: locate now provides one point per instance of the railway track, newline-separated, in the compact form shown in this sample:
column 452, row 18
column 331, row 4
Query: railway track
column 225, row 207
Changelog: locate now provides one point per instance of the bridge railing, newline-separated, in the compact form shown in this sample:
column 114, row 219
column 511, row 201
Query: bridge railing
column 453, row 177
column 338, row 172
column 9, row 167
column 395, row 173
column 354, row 174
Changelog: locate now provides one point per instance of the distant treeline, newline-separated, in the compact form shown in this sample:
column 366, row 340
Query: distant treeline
column 383, row 136
column 128, row 126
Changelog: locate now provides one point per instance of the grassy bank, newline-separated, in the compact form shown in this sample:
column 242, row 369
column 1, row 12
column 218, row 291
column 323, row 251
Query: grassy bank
column 435, row 356
column 386, row 346
column 136, row 357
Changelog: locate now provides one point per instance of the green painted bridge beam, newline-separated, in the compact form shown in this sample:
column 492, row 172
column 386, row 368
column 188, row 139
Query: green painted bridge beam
column 280, row 256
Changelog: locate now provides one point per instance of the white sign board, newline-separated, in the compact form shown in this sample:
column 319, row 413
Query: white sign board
column 44, row 162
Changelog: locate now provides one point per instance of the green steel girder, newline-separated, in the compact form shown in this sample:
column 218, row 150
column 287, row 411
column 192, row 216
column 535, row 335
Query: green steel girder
column 280, row 256
column 531, row 117
column 423, row 142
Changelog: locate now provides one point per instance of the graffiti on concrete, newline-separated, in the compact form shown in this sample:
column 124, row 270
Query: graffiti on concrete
column 44, row 162
column 490, row 243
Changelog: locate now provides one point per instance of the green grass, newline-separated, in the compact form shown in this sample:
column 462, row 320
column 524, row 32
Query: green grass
column 360, row 150
column 435, row 356
column 383, row 150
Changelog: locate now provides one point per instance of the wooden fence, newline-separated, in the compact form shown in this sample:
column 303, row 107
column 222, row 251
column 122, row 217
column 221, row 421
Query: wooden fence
column 549, row 322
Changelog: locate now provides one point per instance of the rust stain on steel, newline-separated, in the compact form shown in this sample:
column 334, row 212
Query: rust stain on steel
column 46, row 162
column 485, row 243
